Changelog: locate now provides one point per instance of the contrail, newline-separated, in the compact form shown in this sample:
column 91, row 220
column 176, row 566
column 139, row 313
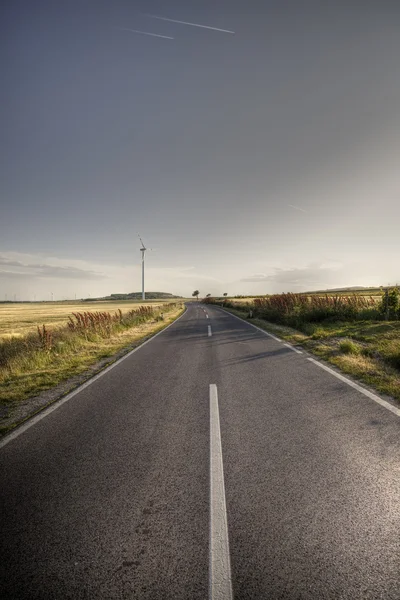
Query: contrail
column 166, row 37
column 297, row 208
column 186, row 23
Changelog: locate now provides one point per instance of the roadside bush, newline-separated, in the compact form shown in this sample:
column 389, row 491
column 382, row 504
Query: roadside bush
column 350, row 347
column 369, row 314
column 390, row 305
column 297, row 309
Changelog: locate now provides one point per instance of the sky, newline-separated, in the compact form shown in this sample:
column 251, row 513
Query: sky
column 259, row 159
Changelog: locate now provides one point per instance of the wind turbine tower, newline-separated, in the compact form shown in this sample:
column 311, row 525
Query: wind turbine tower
column 142, row 250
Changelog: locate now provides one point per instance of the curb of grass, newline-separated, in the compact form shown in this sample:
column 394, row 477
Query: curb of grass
column 279, row 330
column 82, row 380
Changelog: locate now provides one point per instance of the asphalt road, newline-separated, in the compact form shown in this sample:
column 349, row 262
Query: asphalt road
column 109, row 495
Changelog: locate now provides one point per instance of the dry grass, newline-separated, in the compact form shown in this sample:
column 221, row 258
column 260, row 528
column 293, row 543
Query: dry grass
column 17, row 320
column 247, row 300
column 371, row 371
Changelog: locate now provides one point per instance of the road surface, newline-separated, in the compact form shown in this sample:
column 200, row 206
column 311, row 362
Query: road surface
column 213, row 462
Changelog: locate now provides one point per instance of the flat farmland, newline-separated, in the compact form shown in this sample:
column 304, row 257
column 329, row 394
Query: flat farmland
column 240, row 300
column 19, row 319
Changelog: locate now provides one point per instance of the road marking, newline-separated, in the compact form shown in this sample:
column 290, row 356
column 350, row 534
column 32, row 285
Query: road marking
column 357, row 387
column 293, row 348
column 209, row 331
column 251, row 325
column 206, row 316
column 220, row 564
column 43, row 413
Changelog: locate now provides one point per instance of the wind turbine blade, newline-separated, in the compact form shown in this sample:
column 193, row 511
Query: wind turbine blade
column 166, row 37
column 186, row 23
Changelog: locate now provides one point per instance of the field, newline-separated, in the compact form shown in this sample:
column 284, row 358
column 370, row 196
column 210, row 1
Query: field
column 19, row 319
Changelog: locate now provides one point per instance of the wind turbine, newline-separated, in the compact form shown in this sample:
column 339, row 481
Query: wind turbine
column 143, row 250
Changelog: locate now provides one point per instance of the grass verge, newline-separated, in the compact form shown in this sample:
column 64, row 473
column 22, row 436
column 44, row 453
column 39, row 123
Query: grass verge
column 367, row 350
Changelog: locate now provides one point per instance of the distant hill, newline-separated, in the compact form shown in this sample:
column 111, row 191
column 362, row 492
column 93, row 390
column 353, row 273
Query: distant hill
column 353, row 288
column 137, row 296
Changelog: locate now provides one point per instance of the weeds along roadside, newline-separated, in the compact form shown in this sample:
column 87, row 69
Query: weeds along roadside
column 40, row 360
column 300, row 310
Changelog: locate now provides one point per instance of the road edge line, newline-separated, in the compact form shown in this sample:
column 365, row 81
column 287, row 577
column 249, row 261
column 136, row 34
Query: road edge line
column 357, row 387
column 293, row 348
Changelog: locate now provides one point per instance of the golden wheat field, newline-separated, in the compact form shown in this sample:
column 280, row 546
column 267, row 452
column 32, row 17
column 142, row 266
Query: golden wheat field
column 16, row 320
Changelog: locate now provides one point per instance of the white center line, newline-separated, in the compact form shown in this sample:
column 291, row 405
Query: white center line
column 206, row 316
column 220, row 563
column 209, row 331
column 293, row 348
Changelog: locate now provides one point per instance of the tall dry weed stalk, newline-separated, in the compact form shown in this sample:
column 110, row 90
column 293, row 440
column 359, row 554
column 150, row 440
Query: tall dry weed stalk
column 45, row 337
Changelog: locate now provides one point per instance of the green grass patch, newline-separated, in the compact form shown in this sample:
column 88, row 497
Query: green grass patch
column 350, row 347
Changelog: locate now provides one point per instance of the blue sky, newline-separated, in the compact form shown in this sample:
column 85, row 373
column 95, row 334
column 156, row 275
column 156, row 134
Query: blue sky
column 255, row 162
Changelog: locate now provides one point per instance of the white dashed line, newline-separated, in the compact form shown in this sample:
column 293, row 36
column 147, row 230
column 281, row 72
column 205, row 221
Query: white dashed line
column 209, row 331
column 220, row 563
column 357, row 387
